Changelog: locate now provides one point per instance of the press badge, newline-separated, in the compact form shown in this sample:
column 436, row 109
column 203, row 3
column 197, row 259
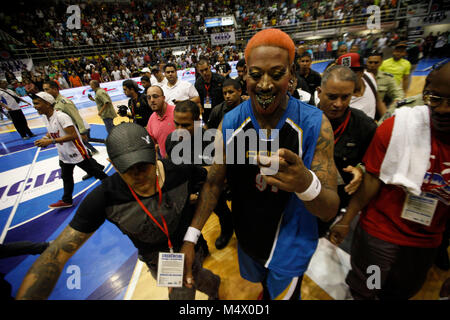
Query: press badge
column 170, row 269
column 419, row 209
column 207, row 104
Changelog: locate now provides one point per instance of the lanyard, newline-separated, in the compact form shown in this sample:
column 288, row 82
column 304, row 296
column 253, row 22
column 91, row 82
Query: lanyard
column 207, row 89
column 340, row 130
column 165, row 230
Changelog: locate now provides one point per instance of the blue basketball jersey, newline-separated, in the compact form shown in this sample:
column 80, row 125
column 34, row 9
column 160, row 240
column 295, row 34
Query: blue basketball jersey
column 271, row 225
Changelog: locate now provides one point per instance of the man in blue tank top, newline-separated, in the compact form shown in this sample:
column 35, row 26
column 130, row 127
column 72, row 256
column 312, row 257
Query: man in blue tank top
column 278, row 161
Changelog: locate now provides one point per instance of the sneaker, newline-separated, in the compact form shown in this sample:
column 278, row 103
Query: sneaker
column 60, row 204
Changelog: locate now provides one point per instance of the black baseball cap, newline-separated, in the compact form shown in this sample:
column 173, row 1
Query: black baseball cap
column 129, row 144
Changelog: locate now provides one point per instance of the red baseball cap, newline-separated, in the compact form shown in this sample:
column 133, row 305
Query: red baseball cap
column 351, row 60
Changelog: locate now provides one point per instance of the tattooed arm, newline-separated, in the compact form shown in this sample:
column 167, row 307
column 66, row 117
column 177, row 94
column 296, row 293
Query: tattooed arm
column 326, row 205
column 293, row 176
column 45, row 271
column 207, row 201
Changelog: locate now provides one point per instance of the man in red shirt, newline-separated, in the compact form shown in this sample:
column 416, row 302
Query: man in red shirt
column 95, row 75
column 160, row 124
column 399, row 232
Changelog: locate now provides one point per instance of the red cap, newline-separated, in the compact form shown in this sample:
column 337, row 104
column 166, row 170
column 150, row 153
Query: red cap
column 351, row 60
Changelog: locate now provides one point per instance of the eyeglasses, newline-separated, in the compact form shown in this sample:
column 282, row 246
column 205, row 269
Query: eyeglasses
column 433, row 100
column 154, row 96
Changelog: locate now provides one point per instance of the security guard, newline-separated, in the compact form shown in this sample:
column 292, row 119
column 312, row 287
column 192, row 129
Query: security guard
column 388, row 89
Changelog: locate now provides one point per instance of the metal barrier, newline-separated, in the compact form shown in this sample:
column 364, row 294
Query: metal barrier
column 242, row 36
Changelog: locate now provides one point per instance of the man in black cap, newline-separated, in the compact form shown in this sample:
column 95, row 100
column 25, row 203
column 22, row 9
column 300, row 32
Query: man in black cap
column 141, row 189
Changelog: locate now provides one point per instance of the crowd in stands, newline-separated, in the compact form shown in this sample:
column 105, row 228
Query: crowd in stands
column 43, row 24
column 125, row 64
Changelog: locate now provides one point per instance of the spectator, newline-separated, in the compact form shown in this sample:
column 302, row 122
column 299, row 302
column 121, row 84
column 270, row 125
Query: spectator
column 20, row 90
column 63, row 133
column 104, row 105
column 388, row 90
column 390, row 234
column 62, row 82
column 160, row 123
column 104, row 77
column 400, row 68
column 95, row 75
column 209, row 87
column 241, row 69
column 10, row 101
column 138, row 105
column 178, row 90
column 116, row 74
column 161, row 80
column 74, row 80
column 311, row 77
column 353, row 131
column 222, row 67
column 139, row 177
column 146, row 82
column 365, row 96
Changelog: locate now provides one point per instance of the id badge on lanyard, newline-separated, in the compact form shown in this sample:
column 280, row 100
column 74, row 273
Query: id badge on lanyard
column 170, row 264
column 170, row 269
column 419, row 209
column 207, row 102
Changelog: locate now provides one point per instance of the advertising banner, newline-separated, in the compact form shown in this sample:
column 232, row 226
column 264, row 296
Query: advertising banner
column 223, row 38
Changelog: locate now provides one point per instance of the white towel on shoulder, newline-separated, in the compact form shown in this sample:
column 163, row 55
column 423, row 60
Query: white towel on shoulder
column 408, row 154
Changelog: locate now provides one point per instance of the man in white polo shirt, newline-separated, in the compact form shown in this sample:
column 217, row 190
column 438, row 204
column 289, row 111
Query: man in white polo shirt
column 71, row 150
column 178, row 90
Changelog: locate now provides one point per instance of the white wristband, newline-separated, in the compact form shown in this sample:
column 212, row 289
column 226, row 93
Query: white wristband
column 313, row 190
column 192, row 235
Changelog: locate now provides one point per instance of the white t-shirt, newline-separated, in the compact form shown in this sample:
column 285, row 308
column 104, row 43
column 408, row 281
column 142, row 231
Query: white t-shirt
column 70, row 151
column 8, row 100
column 182, row 90
column 367, row 102
column 116, row 74
column 155, row 81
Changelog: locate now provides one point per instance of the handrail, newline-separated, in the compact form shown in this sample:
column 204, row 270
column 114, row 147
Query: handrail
column 241, row 35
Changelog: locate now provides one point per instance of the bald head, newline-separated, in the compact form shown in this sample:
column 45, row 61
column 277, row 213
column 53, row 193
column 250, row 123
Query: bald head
column 339, row 73
column 94, row 84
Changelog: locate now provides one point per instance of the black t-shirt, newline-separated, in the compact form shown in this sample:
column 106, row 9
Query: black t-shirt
column 313, row 80
column 113, row 201
column 217, row 114
column 243, row 86
column 213, row 90
column 223, row 68
column 202, row 157
column 140, row 110
column 351, row 147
